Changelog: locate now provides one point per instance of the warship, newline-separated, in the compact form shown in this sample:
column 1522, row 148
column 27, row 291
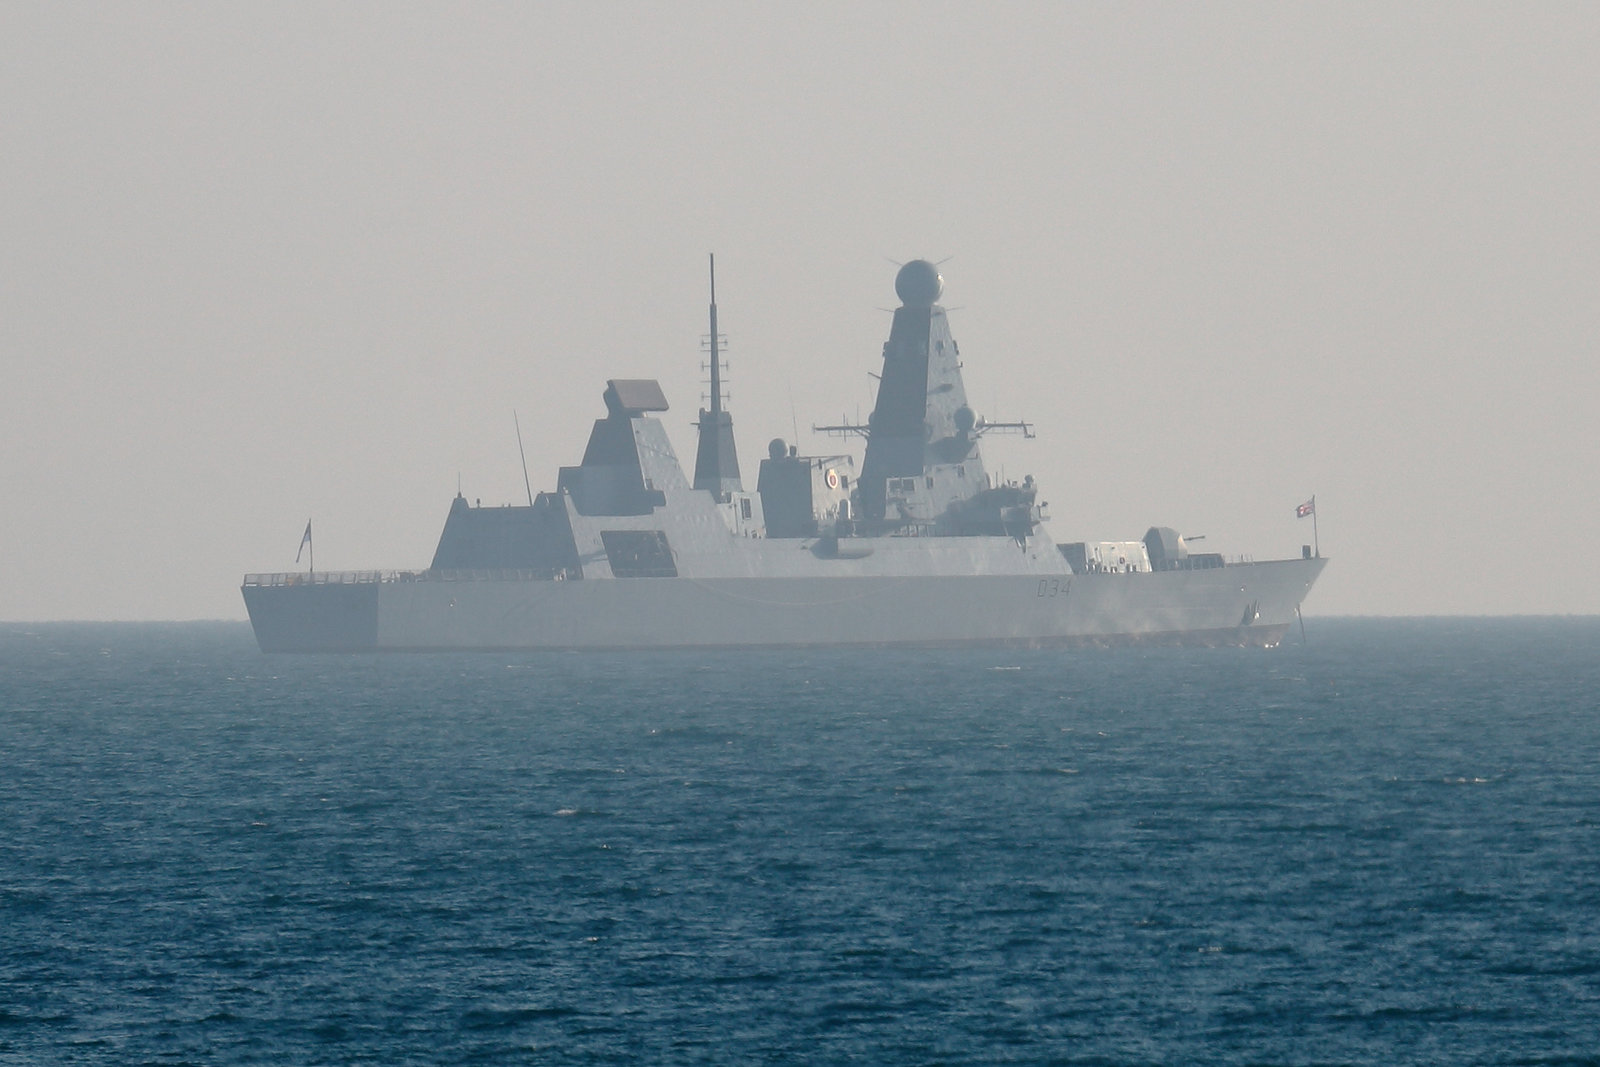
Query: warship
column 919, row 545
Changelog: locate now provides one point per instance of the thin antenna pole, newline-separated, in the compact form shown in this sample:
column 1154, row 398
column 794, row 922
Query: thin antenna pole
column 716, row 359
column 305, row 543
column 1316, row 542
column 525, row 483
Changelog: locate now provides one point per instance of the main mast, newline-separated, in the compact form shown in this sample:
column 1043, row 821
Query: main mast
column 716, row 462
column 923, row 469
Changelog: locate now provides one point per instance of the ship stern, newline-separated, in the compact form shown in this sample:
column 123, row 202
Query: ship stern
column 291, row 613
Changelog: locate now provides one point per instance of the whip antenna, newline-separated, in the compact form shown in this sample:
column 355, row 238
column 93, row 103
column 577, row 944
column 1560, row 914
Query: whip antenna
column 525, row 483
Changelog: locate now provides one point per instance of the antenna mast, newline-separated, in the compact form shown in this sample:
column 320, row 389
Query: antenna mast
column 716, row 466
column 525, row 483
column 716, row 359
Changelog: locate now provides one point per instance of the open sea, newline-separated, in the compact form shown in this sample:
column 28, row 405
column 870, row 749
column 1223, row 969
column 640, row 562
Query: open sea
column 1381, row 845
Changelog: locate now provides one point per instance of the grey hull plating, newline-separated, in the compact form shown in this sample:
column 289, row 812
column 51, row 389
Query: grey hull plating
column 921, row 547
column 1243, row 604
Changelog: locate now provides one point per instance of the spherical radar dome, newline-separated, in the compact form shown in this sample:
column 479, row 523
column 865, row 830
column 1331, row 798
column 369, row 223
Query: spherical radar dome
column 918, row 284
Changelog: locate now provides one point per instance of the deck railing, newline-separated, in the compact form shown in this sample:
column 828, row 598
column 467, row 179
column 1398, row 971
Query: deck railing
column 375, row 577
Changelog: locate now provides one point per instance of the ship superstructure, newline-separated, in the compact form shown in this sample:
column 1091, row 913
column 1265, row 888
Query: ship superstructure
column 920, row 545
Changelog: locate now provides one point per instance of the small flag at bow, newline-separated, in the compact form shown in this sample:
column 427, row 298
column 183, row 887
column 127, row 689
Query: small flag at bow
column 304, row 541
column 1308, row 508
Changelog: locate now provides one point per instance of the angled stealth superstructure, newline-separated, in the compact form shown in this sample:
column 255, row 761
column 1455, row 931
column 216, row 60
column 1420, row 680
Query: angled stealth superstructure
column 923, row 469
column 920, row 546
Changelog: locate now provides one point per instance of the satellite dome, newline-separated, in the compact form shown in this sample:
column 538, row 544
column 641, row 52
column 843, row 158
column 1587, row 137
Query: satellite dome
column 918, row 284
column 776, row 448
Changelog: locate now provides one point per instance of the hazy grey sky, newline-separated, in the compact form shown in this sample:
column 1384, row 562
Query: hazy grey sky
column 265, row 262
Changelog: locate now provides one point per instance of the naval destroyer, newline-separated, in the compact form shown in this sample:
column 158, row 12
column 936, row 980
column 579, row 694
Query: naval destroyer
column 919, row 544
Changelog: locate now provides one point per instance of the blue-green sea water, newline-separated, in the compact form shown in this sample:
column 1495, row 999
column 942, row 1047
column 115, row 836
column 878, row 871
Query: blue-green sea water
column 1381, row 845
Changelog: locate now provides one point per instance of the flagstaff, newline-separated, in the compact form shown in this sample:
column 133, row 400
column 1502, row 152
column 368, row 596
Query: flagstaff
column 1310, row 508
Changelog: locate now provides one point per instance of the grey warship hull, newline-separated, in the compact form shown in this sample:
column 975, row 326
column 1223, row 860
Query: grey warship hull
column 920, row 547
column 1243, row 604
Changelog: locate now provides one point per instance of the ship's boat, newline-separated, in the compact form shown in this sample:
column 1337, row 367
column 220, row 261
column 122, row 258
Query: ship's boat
column 920, row 544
